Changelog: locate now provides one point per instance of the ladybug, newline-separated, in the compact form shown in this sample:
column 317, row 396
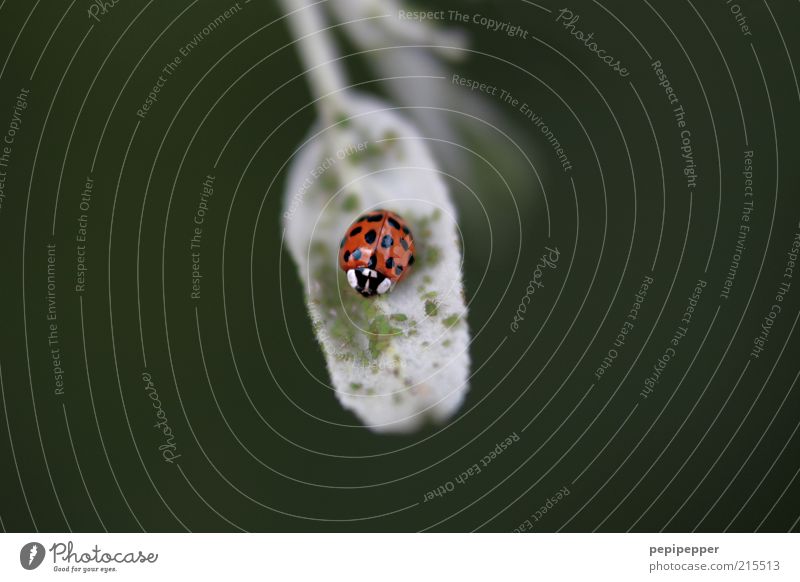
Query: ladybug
column 376, row 252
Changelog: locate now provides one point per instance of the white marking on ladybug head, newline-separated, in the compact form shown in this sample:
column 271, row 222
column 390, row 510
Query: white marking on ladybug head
column 351, row 278
column 385, row 285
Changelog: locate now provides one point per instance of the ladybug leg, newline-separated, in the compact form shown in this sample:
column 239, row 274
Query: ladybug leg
column 385, row 285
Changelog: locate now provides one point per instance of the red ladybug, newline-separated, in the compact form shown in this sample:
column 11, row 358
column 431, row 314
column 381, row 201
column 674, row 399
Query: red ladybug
column 377, row 251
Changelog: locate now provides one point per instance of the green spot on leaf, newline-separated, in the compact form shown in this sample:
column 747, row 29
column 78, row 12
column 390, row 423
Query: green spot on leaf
column 371, row 311
column 328, row 182
column 351, row 203
column 381, row 333
column 451, row 320
column 433, row 256
column 431, row 308
column 319, row 249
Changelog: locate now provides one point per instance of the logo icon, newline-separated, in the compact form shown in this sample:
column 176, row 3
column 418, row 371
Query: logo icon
column 31, row 555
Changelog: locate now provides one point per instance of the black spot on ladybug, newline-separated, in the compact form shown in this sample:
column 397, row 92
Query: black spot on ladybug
column 398, row 269
column 389, row 263
column 404, row 244
column 355, row 231
column 375, row 218
column 393, row 222
column 411, row 260
column 405, row 229
column 372, row 261
column 357, row 254
column 370, row 237
column 387, row 241
column 341, row 244
column 346, row 256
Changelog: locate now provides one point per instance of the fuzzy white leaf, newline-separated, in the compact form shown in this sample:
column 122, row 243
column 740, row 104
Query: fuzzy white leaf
column 415, row 58
column 400, row 359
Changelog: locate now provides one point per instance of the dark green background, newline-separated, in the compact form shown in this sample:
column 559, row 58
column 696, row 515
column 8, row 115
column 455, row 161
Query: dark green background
column 253, row 459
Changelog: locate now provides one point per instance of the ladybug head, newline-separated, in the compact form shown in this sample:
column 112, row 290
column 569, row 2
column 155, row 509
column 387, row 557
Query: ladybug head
column 368, row 282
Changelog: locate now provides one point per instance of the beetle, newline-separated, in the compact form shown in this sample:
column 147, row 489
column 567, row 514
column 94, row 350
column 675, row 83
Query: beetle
column 376, row 252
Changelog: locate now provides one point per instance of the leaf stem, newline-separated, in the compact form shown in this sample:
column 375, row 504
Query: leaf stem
column 318, row 53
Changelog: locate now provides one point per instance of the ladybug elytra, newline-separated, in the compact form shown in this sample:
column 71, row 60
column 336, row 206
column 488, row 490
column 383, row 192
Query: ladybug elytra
column 376, row 252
